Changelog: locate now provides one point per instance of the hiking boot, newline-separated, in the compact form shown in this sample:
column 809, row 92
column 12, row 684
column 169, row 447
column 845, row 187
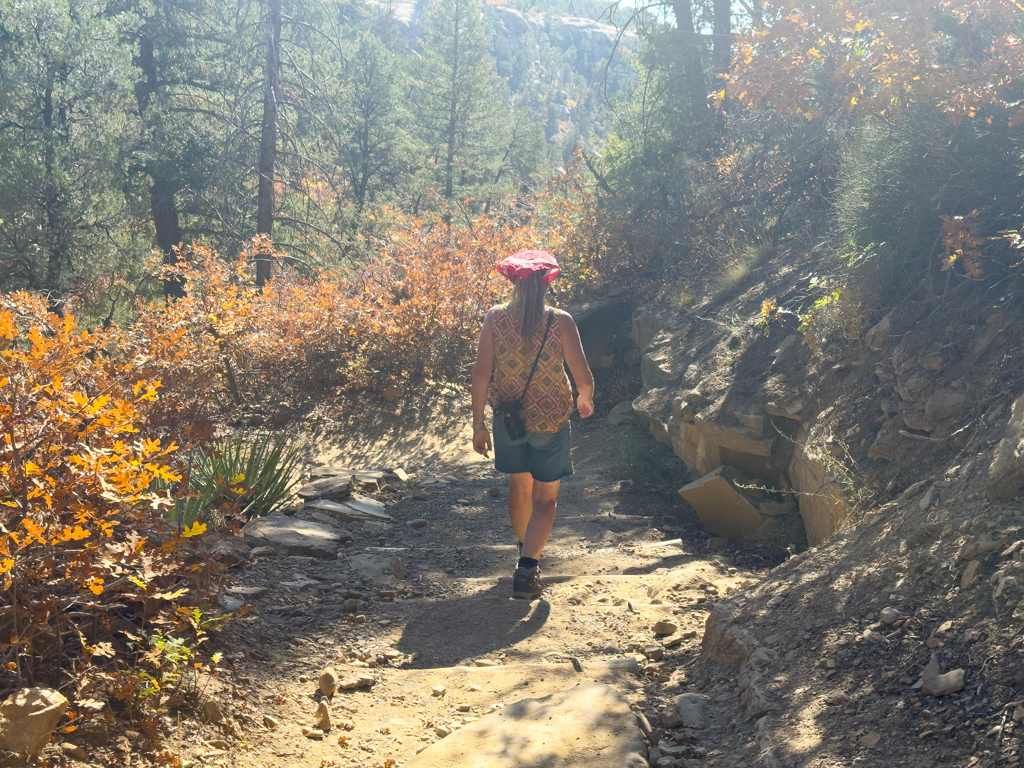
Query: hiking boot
column 526, row 583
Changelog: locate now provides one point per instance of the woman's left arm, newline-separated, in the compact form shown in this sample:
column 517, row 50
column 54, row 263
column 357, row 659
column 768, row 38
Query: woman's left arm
column 481, row 383
column 577, row 360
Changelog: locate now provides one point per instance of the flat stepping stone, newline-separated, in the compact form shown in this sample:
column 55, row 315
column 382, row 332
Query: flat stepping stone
column 289, row 536
column 338, row 487
column 588, row 726
column 356, row 509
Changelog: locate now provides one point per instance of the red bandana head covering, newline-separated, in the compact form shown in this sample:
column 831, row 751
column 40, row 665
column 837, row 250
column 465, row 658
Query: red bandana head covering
column 525, row 263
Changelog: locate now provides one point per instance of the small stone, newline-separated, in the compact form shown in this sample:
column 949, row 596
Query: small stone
column 970, row 574
column 213, row 711
column 836, row 698
column 670, row 717
column 418, row 523
column 871, row 739
column 271, row 722
column 313, row 733
column 351, row 605
column 776, row 600
column 888, row 615
column 420, row 495
column 486, row 663
column 328, row 682
column 442, row 730
column 464, row 707
column 360, row 619
column 941, row 685
column 74, row 751
column 654, row 652
column 944, row 403
column 665, row 627
column 830, row 664
column 494, row 492
column 323, row 716
column 438, row 690
column 263, row 552
column 672, row 641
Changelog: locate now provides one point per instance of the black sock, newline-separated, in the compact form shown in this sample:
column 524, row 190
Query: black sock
column 528, row 562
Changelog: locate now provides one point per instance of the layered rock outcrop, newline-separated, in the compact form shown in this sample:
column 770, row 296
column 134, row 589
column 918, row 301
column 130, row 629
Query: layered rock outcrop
column 748, row 406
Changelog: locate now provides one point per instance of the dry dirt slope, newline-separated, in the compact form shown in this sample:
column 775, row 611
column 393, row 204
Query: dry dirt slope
column 895, row 640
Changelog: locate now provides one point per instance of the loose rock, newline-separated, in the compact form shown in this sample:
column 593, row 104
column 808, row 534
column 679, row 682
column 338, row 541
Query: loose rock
column 323, row 716
column 28, row 717
column 665, row 627
column 328, row 682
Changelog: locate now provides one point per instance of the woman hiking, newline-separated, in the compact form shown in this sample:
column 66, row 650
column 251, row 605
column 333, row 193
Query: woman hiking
column 521, row 356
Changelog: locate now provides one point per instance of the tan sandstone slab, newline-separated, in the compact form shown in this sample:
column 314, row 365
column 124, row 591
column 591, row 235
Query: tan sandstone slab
column 588, row 726
column 720, row 506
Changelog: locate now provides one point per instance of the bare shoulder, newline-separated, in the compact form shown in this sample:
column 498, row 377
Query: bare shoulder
column 564, row 318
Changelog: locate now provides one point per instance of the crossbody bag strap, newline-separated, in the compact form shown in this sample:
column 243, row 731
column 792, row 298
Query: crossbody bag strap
column 547, row 329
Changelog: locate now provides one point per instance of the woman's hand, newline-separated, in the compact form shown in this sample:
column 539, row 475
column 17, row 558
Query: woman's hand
column 585, row 405
column 482, row 441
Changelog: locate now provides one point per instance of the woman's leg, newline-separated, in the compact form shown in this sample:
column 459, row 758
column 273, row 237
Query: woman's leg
column 544, row 500
column 520, row 502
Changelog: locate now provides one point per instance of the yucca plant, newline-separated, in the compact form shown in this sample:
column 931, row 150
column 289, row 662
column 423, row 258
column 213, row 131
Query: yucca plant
column 241, row 477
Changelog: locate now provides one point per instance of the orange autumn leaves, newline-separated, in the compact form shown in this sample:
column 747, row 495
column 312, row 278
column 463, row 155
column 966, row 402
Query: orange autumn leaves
column 83, row 435
column 962, row 58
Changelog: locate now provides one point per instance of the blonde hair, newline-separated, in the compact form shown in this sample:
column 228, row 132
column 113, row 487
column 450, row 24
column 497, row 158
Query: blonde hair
column 528, row 299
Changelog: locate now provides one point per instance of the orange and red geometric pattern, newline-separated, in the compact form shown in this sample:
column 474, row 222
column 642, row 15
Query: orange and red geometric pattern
column 548, row 403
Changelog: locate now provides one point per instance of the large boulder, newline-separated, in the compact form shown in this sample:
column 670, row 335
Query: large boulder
column 722, row 507
column 589, row 726
column 1006, row 473
column 28, row 718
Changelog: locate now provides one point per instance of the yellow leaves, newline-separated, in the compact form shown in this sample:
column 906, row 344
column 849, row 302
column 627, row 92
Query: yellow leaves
column 97, row 405
column 70, row 534
column 36, row 532
column 197, row 529
column 164, row 473
column 149, row 394
column 95, row 585
column 6, row 565
column 171, row 596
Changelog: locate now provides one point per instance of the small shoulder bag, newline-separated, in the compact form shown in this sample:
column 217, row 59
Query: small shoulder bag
column 511, row 412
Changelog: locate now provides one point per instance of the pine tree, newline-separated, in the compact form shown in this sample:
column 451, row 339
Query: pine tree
column 461, row 104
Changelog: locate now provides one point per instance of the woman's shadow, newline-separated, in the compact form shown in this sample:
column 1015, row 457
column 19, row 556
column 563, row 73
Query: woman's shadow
column 446, row 632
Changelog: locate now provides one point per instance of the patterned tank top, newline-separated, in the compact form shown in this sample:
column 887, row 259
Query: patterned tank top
column 548, row 403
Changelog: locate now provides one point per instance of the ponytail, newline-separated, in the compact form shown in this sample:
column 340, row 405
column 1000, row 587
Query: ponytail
column 528, row 299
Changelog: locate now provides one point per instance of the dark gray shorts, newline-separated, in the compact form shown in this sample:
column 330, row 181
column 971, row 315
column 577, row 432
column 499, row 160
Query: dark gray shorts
column 545, row 456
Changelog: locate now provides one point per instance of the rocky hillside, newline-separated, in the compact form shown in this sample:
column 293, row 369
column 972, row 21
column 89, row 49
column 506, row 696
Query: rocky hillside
column 887, row 448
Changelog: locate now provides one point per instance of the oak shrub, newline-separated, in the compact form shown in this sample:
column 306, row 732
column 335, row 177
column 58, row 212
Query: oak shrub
column 107, row 587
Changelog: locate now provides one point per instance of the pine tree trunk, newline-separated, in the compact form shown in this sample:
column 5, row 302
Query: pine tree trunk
column 449, row 175
column 722, row 46
column 693, row 71
column 162, row 206
column 268, row 137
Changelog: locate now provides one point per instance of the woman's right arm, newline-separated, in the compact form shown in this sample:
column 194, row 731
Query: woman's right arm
column 481, row 383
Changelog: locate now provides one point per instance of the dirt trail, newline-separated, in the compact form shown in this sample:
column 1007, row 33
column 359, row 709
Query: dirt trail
column 442, row 615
